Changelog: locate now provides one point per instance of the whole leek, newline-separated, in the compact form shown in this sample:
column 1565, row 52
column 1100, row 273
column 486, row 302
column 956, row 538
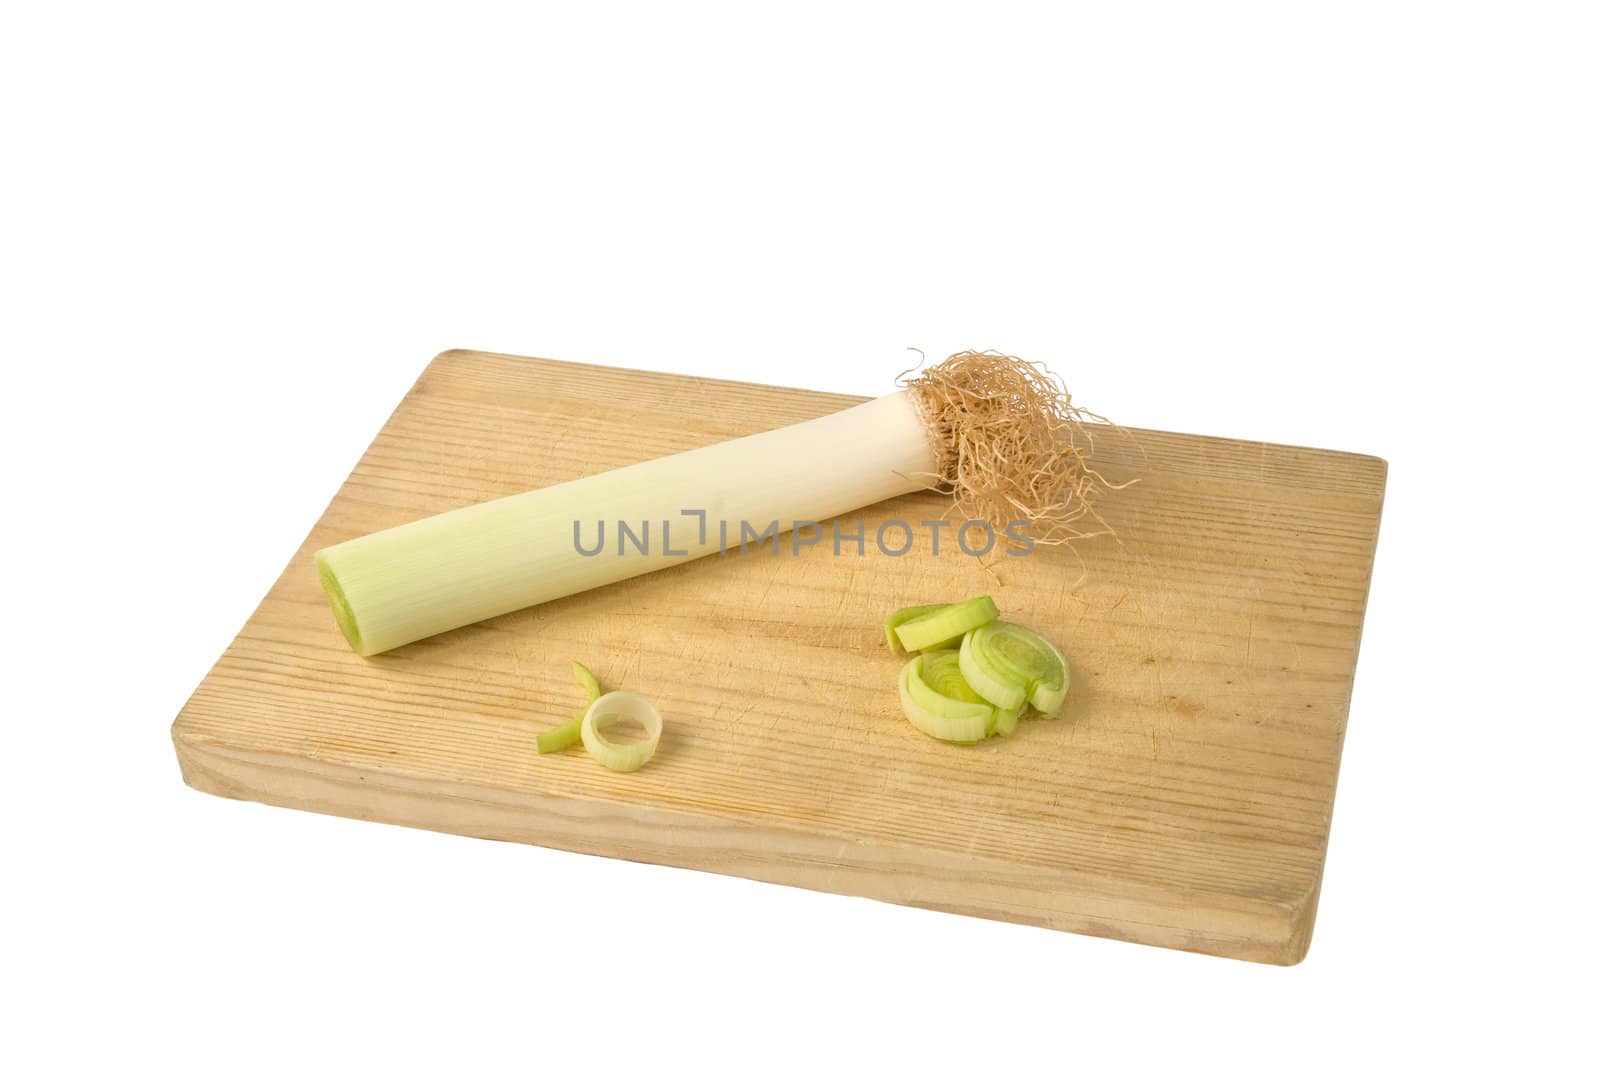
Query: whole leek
column 998, row 433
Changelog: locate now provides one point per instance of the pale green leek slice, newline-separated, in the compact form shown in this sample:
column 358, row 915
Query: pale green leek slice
column 566, row 735
column 1005, row 721
column 611, row 710
column 1010, row 666
column 906, row 615
column 946, row 624
column 586, row 678
column 940, row 703
column 570, row 732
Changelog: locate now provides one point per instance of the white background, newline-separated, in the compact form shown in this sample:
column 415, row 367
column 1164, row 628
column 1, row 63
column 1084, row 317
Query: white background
column 231, row 237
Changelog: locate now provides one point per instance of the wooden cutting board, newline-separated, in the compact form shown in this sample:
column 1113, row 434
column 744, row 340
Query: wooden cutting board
column 1182, row 799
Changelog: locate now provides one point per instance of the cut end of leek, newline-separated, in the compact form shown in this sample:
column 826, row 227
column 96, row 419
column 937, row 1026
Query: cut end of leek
column 340, row 604
column 614, row 709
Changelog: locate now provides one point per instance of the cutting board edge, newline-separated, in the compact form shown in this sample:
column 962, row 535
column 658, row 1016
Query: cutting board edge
column 1258, row 930
column 1378, row 464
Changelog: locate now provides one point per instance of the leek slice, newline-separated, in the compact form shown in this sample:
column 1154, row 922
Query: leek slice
column 613, row 709
column 946, row 624
column 586, row 678
column 570, row 732
column 566, row 735
column 940, row 703
column 1005, row 721
column 1010, row 666
column 906, row 615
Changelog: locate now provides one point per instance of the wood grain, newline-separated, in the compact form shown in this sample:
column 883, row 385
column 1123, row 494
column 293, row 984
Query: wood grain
column 1183, row 799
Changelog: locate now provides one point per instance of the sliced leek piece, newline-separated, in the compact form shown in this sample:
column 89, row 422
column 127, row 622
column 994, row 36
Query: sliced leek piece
column 586, row 678
column 947, row 624
column 1009, row 666
column 940, row 703
column 902, row 616
column 999, row 688
column 613, row 709
column 400, row 585
column 566, row 735
column 570, row 732
column 1005, row 721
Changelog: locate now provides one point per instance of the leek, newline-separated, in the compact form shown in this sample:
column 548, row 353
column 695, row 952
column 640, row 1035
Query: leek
column 413, row 581
column 999, row 434
column 564, row 736
column 570, row 732
column 999, row 670
column 1010, row 666
column 945, row 625
column 939, row 702
column 1005, row 721
column 586, row 678
column 905, row 615
column 612, row 710
column 601, row 711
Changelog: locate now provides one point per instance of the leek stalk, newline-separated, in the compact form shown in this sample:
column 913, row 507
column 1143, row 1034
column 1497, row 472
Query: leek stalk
column 403, row 584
